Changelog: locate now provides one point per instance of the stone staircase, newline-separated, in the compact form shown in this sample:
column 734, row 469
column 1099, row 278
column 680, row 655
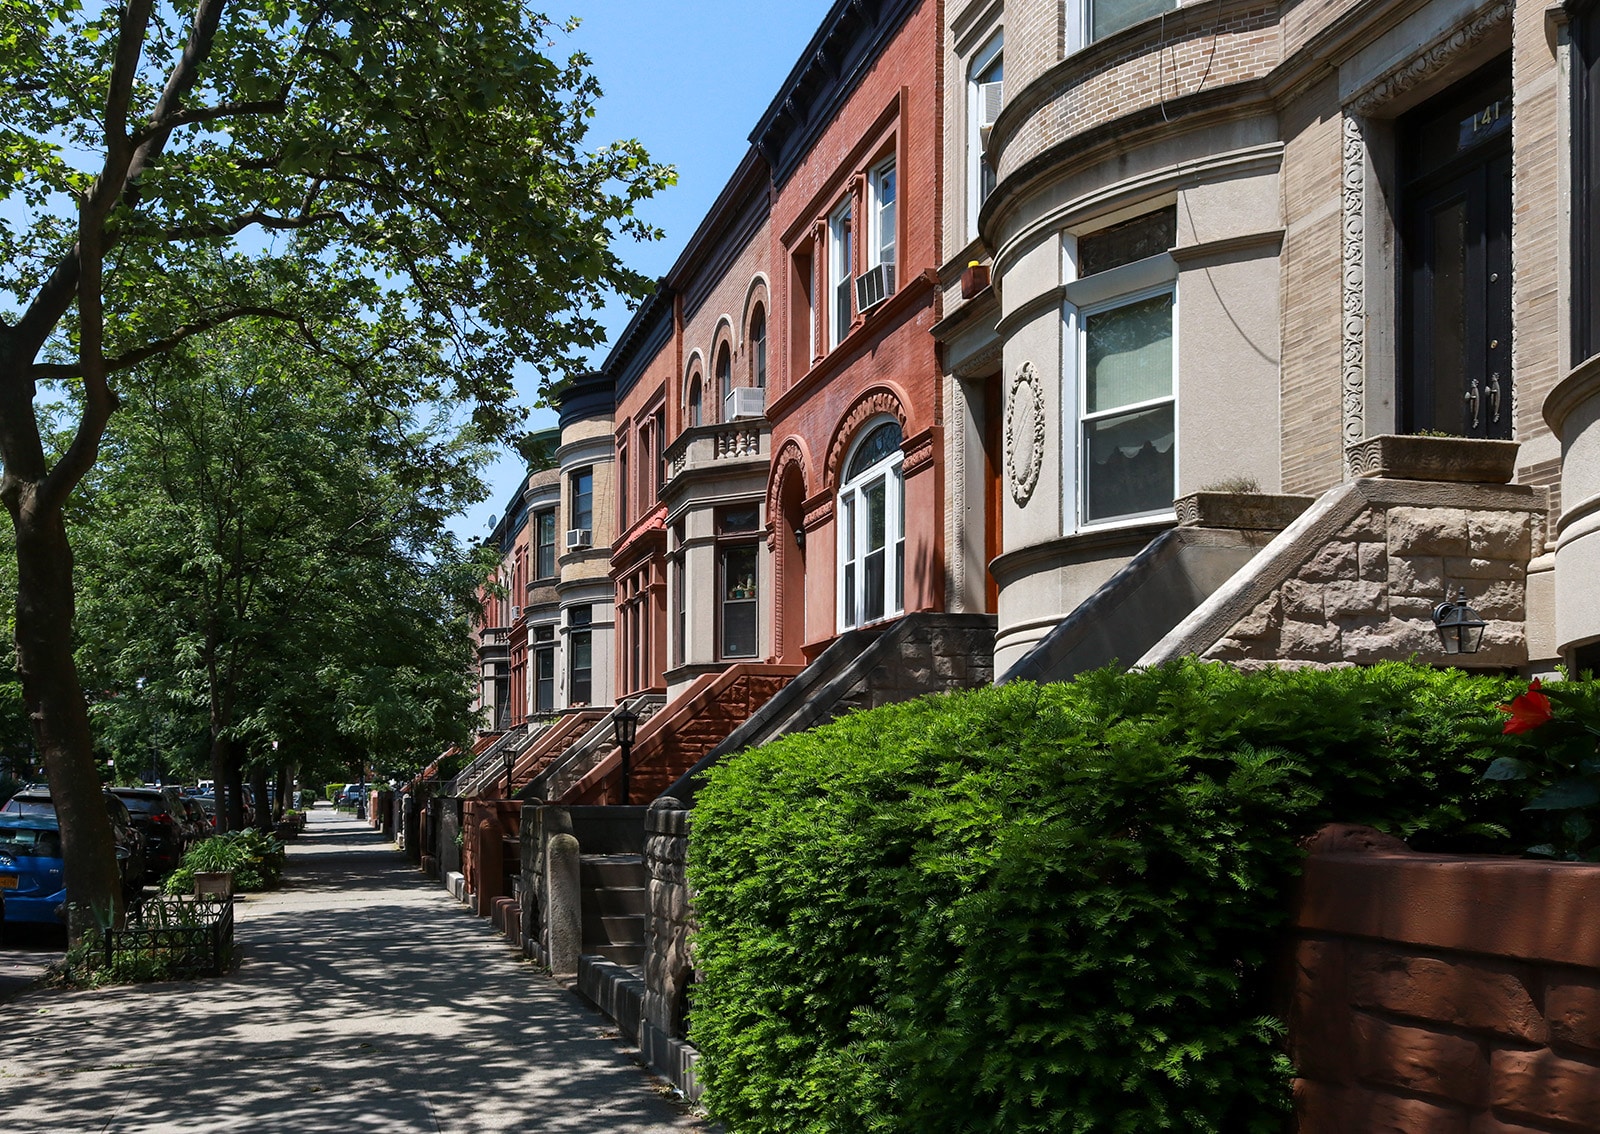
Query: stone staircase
column 919, row 653
column 616, row 906
column 550, row 745
column 681, row 733
column 553, row 782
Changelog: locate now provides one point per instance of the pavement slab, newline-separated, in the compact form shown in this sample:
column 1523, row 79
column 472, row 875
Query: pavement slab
column 364, row 998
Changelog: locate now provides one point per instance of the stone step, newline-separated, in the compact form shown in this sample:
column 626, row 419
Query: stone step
column 625, row 930
column 630, row 955
column 613, row 901
column 610, row 871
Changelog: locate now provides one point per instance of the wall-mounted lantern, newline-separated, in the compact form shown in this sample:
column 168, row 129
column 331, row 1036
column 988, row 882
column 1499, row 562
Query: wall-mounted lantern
column 1460, row 628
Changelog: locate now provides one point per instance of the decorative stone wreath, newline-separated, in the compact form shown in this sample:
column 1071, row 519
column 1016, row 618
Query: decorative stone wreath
column 1024, row 432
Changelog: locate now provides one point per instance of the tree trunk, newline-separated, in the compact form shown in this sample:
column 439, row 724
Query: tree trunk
column 221, row 787
column 235, row 787
column 283, row 791
column 258, row 785
column 57, row 711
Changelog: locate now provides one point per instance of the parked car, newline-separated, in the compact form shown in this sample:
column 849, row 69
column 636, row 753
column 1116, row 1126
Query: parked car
column 35, row 803
column 201, row 817
column 160, row 815
column 33, row 886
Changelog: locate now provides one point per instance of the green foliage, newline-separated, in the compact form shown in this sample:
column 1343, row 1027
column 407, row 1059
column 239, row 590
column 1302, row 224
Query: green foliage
column 1050, row 908
column 264, row 554
column 256, row 860
column 168, row 953
column 1551, row 751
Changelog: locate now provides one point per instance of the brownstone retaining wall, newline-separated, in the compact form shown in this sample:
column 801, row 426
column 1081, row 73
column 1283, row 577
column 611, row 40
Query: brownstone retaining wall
column 1435, row 994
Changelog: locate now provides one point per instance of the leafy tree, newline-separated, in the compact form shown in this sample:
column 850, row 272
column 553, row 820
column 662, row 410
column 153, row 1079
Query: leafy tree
column 266, row 565
column 171, row 165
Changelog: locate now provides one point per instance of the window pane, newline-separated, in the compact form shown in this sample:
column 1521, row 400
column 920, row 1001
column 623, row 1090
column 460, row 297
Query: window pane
column 1125, row 243
column 1113, row 15
column 545, row 565
column 758, row 349
column 877, row 516
column 1131, row 467
column 583, row 500
column 886, row 214
column 848, row 523
column 746, row 519
column 880, row 443
column 872, row 586
column 1129, row 353
column 582, row 667
column 739, row 601
column 694, row 402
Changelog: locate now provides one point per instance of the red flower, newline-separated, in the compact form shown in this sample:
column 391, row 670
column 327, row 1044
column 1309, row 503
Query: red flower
column 1528, row 711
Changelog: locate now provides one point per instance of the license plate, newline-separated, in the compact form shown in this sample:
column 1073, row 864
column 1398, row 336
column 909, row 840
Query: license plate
column 9, row 882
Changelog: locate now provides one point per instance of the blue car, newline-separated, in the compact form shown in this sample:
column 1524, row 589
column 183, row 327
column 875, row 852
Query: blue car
column 33, row 884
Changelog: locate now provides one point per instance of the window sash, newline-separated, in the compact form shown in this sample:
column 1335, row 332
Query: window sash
column 545, row 554
column 740, row 586
column 1144, row 482
column 840, row 264
column 884, row 211
column 583, row 500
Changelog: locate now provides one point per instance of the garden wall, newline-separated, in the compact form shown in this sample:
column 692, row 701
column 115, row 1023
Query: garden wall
column 1437, row 994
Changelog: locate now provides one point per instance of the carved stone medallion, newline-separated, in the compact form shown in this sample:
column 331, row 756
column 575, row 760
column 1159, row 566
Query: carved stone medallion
column 1024, row 432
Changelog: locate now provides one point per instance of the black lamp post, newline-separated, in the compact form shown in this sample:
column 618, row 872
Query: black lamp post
column 1460, row 628
column 627, row 724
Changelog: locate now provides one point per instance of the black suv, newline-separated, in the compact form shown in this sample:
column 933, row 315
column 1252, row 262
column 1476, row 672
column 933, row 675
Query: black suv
column 130, row 844
column 159, row 815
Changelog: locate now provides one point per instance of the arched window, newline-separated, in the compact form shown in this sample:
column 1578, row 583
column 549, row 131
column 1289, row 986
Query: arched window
column 872, row 528
column 696, row 416
column 724, row 374
column 758, row 349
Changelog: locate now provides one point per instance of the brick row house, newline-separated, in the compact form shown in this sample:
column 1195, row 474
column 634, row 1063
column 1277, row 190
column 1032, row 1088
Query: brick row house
column 1032, row 336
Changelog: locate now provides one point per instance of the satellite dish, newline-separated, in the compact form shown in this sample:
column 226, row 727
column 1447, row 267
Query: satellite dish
column 493, row 520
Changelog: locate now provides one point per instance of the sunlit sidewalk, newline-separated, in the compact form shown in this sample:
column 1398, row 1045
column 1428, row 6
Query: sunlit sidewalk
column 364, row 999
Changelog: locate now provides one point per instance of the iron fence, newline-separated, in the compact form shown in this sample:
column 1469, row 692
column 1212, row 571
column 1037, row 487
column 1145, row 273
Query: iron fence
column 191, row 936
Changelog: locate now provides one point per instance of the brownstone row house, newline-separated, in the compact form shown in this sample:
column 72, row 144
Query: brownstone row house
column 1032, row 336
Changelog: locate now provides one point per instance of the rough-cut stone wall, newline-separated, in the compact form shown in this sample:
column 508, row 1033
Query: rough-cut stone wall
column 668, row 967
column 940, row 655
column 1435, row 994
column 1369, row 594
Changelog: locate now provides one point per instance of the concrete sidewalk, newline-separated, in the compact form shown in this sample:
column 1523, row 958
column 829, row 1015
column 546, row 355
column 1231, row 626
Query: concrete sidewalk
column 365, row 999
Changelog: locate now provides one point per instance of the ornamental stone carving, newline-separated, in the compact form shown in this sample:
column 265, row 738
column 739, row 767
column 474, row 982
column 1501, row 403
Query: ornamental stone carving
column 1024, row 432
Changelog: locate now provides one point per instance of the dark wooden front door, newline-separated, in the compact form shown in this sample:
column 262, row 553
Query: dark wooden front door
column 1456, row 227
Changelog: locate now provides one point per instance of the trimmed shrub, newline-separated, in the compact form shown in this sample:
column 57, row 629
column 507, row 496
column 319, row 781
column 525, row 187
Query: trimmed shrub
column 1051, row 908
column 256, row 860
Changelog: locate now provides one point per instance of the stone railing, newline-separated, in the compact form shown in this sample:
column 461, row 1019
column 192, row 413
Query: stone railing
column 703, row 445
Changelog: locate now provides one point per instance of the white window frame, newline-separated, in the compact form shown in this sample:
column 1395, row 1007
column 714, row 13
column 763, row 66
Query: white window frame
column 841, row 271
column 850, row 503
column 982, row 59
column 884, row 172
column 1106, row 291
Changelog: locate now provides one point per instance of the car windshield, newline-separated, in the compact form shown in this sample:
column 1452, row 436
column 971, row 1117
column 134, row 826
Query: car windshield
column 18, row 806
column 30, row 842
column 142, row 803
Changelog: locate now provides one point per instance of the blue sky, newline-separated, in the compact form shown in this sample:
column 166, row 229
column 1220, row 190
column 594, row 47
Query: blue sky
column 688, row 80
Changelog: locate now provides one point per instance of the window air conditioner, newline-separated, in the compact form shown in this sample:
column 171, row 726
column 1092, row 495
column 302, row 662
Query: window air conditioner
column 579, row 537
column 516, row 613
column 874, row 286
column 744, row 401
column 991, row 96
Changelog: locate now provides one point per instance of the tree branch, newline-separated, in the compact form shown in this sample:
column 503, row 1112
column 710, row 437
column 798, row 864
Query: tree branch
column 189, row 116
column 271, row 221
column 64, row 372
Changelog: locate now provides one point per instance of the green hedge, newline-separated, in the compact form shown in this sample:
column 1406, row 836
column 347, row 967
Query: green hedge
column 1051, row 908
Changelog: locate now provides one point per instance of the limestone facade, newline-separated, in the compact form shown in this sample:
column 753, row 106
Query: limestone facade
column 1289, row 143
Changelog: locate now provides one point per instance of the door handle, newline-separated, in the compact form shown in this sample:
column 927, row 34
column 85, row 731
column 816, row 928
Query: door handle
column 1472, row 399
column 1494, row 397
